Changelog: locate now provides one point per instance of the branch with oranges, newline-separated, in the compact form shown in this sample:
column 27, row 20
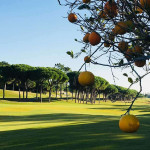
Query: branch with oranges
column 119, row 29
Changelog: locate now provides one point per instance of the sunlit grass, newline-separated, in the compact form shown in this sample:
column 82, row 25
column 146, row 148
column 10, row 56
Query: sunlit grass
column 68, row 125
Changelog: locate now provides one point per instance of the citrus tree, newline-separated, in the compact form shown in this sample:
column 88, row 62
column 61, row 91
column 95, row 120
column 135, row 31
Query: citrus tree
column 118, row 30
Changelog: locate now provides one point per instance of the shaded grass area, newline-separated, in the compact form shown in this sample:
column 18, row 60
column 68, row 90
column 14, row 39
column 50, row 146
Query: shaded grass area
column 62, row 125
column 103, row 134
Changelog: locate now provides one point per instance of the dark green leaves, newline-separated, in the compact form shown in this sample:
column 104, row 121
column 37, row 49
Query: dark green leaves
column 83, row 50
column 82, row 28
column 130, row 80
column 84, row 6
column 70, row 53
column 125, row 74
column 121, row 62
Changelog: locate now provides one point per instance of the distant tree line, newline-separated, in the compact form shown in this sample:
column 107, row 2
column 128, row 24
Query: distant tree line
column 26, row 78
column 37, row 79
column 100, row 86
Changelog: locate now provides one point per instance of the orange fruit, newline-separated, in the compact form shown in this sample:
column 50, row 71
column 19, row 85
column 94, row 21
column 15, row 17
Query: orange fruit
column 138, row 10
column 110, row 9
column 140, row 63
column 123, row 46
column 86, row 38
column 86, row 78
column 129, row 123
column 102, row 14
column 94, row 38
column 129, row 54
column 113, row 31
column 137, row 49
column 145, row 4
column 106, row 44
column 86, row 1
column 87, row 59
column 120, row 28
column 72, row 17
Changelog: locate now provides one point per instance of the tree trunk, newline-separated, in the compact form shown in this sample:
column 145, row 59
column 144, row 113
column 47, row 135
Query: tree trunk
column 60, row 90
column 4, row 89
column 83, row 96
column 66, row 92
column 26, row 88
column 76, row 96
column 13, row 87
column 91, row 98
column 87, row 96
column 41, row 94
column 19, row 91
column 99, row 98
column 56, row 90
column 72, row 95
column 27, row 93
column 103, row 97
column 95, row 96
column 49, row 95
column 23, row 93
column 37, row 93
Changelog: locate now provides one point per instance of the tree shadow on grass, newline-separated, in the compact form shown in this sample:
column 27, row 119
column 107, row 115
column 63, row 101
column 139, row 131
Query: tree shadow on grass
column 101, row 134
column 59, row 117
column 31, row 99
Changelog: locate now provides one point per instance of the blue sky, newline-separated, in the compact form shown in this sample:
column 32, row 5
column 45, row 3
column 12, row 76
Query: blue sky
column 35, row 32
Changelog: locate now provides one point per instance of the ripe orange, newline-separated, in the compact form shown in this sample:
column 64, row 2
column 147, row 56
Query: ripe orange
column 106, row 44
column 110, row 9
column 120, row 28
column 94, row 38
column 138, row 10
column 145, row 4
column 72, row 17
column 123, row 46
column 86, row 1
column 137, row 49
column 86, row 78
column 86, row 38
column 129, row 54
column 102, row 14
column 113, row 31
column 129, row 123
column 87, row 59
column 140, row 63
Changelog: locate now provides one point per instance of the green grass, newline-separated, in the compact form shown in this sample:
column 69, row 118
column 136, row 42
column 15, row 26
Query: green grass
column 62, row 125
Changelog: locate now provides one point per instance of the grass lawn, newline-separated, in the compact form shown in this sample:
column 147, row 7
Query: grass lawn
column 62, row 125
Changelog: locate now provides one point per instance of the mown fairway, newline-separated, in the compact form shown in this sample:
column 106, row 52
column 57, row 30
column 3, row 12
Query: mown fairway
column 62, row 125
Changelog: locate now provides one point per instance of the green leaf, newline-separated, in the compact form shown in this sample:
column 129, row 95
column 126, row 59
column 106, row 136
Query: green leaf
column 82, row 28
column 83, row 50
column 130, row 80
column 125, row 74
column 121, row 62
column 84, row 6
column 137, row 79
column 70, row 53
